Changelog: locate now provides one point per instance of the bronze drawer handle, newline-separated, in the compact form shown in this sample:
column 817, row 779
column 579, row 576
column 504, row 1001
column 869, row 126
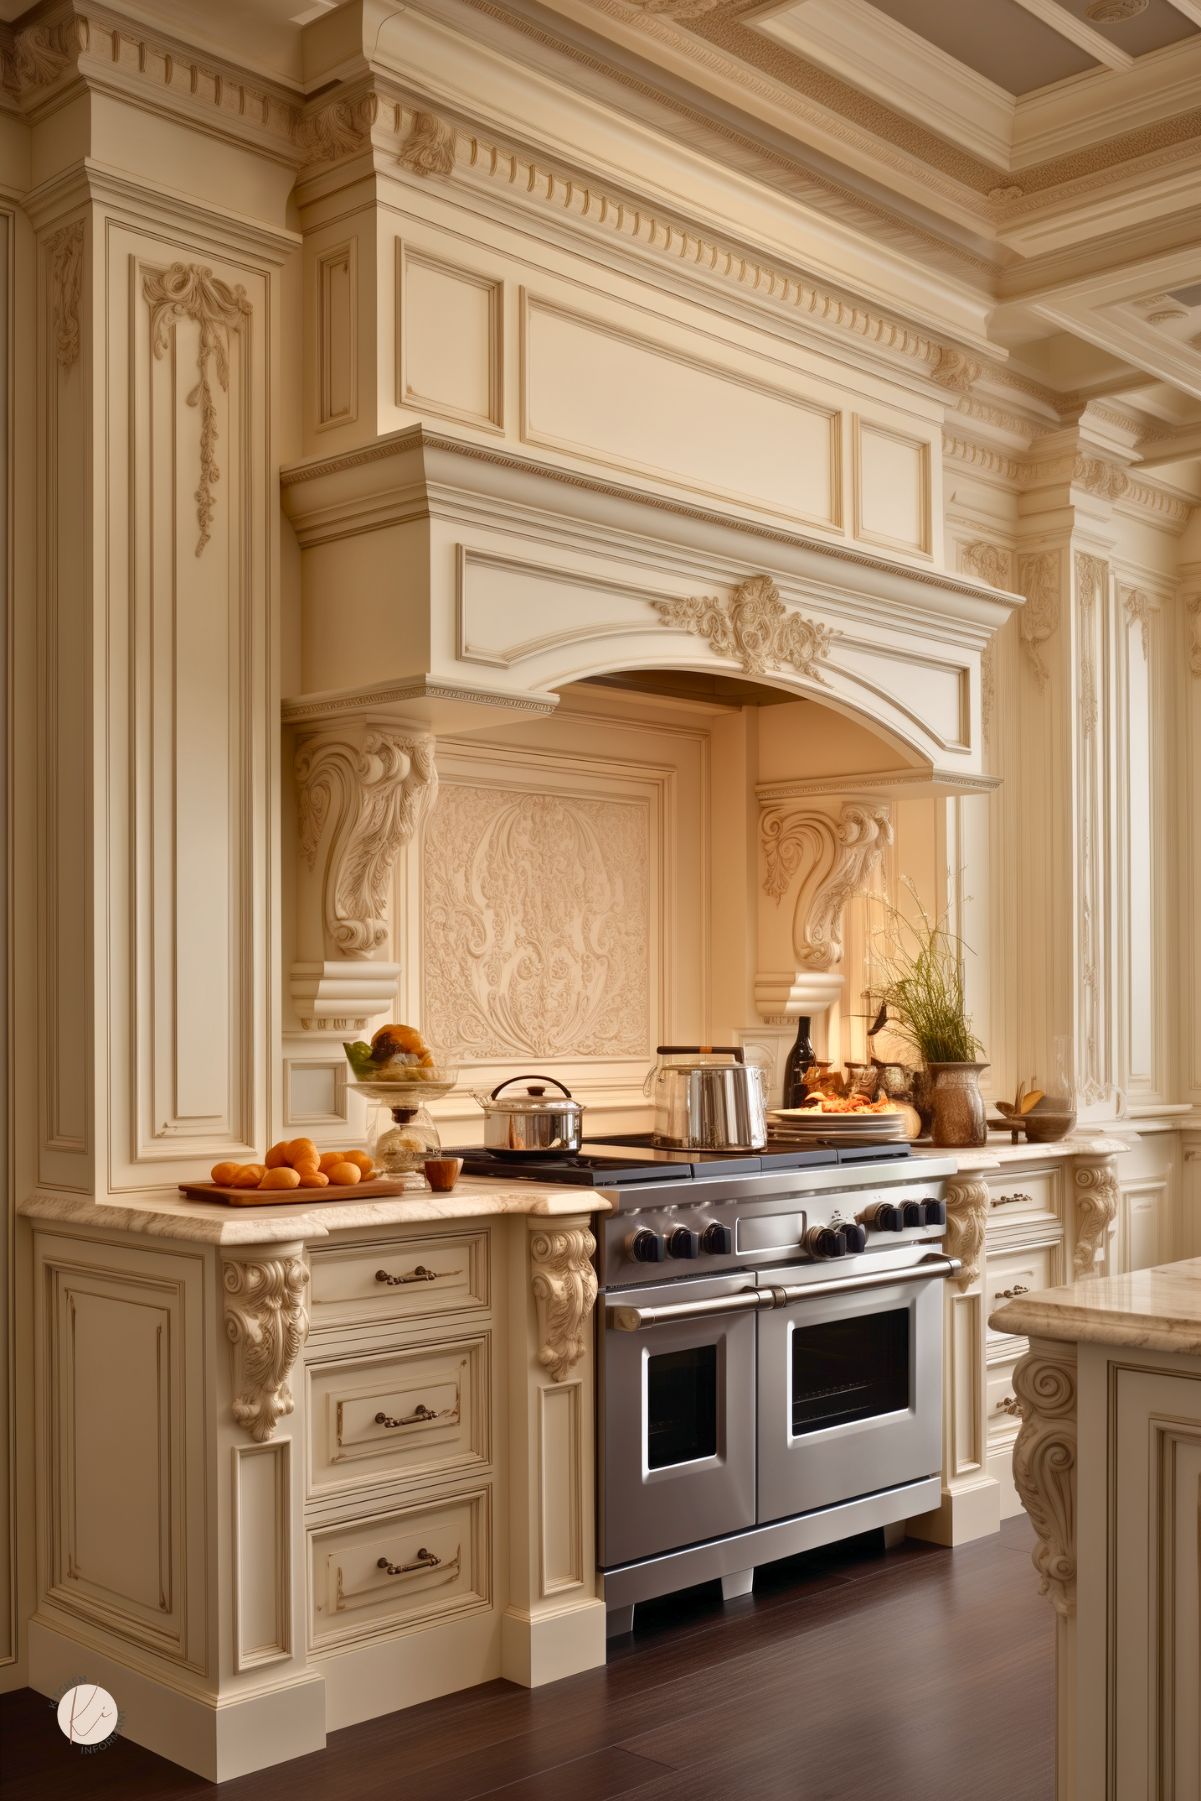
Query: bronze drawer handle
column 1006, row 1294
column 416, row 1418
column 1012, row 1200
column 1007, row 1404
column 424, row 1560
column 420, row 1274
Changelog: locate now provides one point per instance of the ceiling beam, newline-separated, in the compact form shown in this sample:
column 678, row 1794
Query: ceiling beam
column 1069, row 26
column 1170, row 447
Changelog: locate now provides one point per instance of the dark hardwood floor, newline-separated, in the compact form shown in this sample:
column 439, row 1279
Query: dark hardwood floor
column 850, row 1675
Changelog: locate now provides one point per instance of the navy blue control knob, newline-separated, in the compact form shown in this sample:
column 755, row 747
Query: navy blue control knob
column 934, row 1213
column 647, row 1247
column 683, row 1243
column 717, row 1240
column 854, row 1237
column 825, row 1241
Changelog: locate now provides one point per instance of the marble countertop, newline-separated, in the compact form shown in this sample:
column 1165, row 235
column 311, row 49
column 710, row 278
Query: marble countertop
column 167, row 1214
column 1156, row 1309
column 999, row 1153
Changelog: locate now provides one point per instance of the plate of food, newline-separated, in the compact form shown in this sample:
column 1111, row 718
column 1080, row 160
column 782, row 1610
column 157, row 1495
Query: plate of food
column 840, row 1119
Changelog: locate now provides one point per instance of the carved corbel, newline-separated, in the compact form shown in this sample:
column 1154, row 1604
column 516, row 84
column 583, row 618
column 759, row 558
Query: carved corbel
column 564, row 1285
column 1044, row 1465
column 266, row 1319
column 363, row 788
column 1097, row 1195
column 967, row 1222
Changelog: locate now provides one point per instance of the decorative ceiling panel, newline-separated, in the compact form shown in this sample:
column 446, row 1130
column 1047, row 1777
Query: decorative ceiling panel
column 999, row 39
column 1135, row 26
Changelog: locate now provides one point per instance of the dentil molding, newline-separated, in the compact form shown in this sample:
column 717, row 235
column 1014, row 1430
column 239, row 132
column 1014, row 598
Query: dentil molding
column 838, row 857
column 192, row 291
column 266, row 1319
column 1044, row 1465
column 967, row 1222
column 564, row 1285
column 753, row 627
column 363, row 789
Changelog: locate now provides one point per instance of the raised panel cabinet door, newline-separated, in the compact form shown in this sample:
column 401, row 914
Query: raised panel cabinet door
column 121, row 1520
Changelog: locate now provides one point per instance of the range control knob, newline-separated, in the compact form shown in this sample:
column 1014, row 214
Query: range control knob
column 883, row 1216
column 647, row 1247
column 911, row 1213
column 683, row 1243
column 854, row 1237
column 825, row 1241
column 717, row 1240
column 934, row 1213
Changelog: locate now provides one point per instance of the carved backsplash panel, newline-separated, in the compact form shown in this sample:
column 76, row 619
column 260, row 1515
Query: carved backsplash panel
column 537, row 925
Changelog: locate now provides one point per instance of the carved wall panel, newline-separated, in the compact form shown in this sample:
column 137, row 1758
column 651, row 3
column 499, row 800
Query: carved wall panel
column 537, row 925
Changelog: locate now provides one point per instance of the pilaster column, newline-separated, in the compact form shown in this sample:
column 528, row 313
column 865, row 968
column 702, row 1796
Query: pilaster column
column 363, row 788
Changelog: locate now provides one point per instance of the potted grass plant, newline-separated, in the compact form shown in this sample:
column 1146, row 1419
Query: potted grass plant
column 919, row 979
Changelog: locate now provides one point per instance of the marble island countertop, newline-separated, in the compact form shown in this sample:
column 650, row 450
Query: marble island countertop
column 999, row 1152
column 167, row 1214
column 1156, row 1309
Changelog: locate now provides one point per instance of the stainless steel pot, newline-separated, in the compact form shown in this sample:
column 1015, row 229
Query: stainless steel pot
column 532, row 1123
column 701, row 1104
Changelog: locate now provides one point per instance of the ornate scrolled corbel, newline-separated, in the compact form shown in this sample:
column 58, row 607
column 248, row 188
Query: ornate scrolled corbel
column 564, row 1285
column 1097, row 1195
column 838, row 858
column 1044, row 1465
column 266, row 1319
column 967, row 1222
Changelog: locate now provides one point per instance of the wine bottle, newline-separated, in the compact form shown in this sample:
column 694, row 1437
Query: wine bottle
column 800, row 1057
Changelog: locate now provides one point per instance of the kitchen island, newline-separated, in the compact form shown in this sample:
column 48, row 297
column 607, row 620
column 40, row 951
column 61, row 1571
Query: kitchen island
column 1108, row 1464
column 304, row 1464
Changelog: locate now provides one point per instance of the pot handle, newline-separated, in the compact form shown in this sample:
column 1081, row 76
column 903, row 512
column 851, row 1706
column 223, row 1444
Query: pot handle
column 509, row 1083
column 700, row 1050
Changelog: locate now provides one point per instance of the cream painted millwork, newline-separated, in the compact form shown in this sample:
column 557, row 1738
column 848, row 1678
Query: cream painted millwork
column 427, row 439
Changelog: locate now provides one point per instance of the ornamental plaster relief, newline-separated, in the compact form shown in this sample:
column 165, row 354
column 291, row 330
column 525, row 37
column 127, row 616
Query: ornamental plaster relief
column 1194, row 613
column 537, row 925
column 835, row 859
column 564, row 1285
column 65, row 274
column 1038, row 580
column 1097, row 1198
column 753, row 627
column 1044, row 1465
column 266, row 1320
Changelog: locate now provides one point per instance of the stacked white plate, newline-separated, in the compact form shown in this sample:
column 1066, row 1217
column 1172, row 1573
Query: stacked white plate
column 808, row 1125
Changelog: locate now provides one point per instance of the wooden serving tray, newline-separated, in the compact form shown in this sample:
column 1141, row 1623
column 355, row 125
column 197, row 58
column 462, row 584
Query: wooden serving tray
column 274, row 1197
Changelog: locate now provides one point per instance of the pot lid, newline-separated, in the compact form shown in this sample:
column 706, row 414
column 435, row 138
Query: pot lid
column 532, row 1098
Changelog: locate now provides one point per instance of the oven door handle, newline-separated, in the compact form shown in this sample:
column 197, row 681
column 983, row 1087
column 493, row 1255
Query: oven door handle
column 762, row 1300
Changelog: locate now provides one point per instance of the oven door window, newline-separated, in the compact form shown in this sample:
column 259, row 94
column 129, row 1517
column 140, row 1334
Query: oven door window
column 681, row 1406
column 845, row 1370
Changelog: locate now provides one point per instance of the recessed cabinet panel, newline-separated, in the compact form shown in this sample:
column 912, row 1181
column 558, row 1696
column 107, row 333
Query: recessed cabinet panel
column 893, row 491
column 399, row 1279
column 1012, row 1274
column 414, row 1413
column 400, row 1570
column 451, row 323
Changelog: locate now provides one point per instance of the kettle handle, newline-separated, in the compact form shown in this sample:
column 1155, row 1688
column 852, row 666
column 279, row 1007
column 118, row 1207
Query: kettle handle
column 700, row 1050
column 512, row 1079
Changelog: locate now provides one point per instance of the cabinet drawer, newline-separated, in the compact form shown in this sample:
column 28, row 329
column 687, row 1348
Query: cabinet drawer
column 1009, row 1274
column 1020, row 1194
column 399, row 1279
column 398, row 1571
column 419, row 1412
column 1002, row 1418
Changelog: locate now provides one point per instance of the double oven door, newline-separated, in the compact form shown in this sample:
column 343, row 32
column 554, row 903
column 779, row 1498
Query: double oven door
column 764, row 1407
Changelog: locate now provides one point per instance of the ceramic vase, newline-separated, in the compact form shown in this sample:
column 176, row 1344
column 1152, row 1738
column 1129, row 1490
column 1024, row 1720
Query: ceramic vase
column 957, row 1105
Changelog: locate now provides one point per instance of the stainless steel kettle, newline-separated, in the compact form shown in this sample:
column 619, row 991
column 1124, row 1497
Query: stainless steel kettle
column 705, row 1104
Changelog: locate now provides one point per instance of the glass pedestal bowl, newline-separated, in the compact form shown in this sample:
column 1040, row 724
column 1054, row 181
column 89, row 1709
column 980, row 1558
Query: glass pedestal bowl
column 401, row 1134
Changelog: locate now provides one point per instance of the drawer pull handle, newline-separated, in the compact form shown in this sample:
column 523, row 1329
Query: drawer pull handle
column 419, row 1416
column 1007, row 1404
column 419, row 1274
column 424, row 1560
column 1012, row 1200
column 1006, row 1294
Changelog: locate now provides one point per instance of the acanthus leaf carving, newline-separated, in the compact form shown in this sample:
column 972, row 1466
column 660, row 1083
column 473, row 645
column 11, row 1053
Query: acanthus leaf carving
column 340, row 128
column 1097, row 476
column 988, row 688
column 990, row 563
column 429, row 148
column 955, row 370
column 192, row 291
column 65, row 269
column 1091, row 574
column 377, row 782
column 1138, row 608
column 753, row 627
column 564, row 1285
column 1097, row 1196
column 266, row 1319
column 37, row 56
column 1044, row 1465
column 967, row 1221
column 1194, row 655
column 840, row 857
column 1038, row 580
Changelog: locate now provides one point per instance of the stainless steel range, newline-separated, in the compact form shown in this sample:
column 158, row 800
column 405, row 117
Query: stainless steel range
column 770, row 1350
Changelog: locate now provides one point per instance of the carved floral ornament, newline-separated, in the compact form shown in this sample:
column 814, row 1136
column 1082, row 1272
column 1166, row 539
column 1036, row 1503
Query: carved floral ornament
column 753, row 627
column 839, row 857
column 967, row 1221
column 1194, row 611
column 1044, row 1465
column 1038, row 580
column 266, row 1319
column 64, row 251
column 191, row 291
column 1097, row 1196
column 564, row 1285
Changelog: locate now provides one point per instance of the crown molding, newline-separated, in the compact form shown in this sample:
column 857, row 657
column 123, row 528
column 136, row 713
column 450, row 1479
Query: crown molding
column 1129, row 493
column 96, row 183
